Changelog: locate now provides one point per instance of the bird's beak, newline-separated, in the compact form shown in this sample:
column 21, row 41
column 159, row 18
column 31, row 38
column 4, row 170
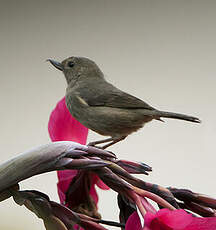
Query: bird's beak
column 58, row 65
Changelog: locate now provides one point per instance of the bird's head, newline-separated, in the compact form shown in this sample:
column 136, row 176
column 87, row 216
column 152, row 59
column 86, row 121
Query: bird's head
column 74, row 67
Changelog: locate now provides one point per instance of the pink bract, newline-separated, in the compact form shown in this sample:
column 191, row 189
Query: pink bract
column 133, row 222
column 165, row 219
column 63, row 127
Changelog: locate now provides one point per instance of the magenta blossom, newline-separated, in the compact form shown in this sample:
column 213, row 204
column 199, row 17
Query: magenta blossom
column 63, row 127
column 165, row 219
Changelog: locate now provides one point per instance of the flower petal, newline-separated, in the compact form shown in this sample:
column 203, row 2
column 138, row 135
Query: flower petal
column 133, row 222
column 149, row 217
column 61, row 195
column 208, row 223
column 67, row 174
column 62, row 126
column 177, row 219
column 101, row 185
column 165, row 219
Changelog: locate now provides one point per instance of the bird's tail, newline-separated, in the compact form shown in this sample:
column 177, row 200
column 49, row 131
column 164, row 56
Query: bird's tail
column 177, row 116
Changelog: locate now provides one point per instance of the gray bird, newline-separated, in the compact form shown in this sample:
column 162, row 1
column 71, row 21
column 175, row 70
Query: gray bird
column 102, row 107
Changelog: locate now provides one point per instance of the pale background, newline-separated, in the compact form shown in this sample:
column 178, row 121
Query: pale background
column 161, row 51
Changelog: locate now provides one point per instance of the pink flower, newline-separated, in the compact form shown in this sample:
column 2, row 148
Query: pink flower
column 63, row 127
column 133, row 222
column 165, row 219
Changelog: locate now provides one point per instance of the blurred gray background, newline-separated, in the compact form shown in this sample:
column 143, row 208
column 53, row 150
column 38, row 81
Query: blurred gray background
column 160, row 51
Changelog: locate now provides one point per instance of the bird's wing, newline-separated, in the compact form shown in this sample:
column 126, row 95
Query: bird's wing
column 111, row 97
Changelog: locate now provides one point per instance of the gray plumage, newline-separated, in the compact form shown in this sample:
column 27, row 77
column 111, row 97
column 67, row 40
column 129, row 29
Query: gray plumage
column 102, row 107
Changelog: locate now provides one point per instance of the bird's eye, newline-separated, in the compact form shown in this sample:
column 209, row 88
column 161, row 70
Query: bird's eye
column 71, row 64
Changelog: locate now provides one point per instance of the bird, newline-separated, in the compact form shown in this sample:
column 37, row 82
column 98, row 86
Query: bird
column 102, row 107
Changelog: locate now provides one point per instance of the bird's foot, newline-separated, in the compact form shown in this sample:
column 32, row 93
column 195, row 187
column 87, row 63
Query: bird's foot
column 111, row 141
column 96, row 143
